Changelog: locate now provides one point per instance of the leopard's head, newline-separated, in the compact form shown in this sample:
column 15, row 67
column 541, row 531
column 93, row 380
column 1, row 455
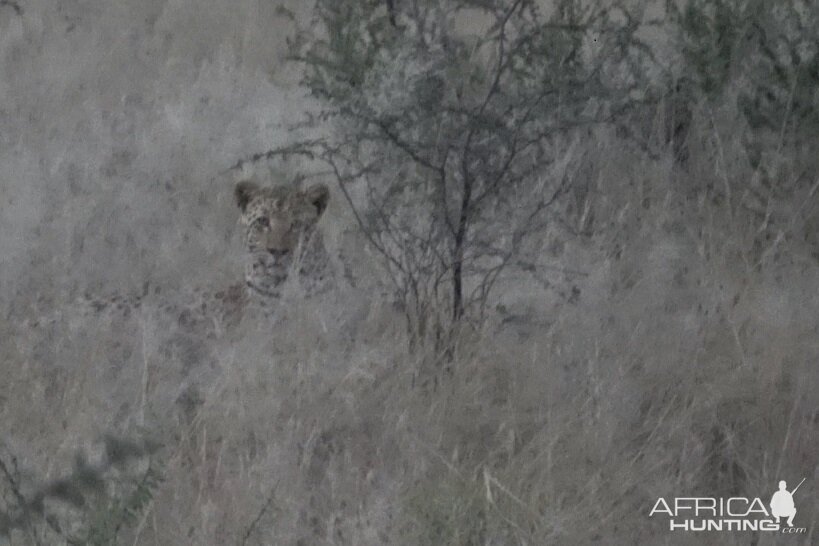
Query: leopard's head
column 279, row 223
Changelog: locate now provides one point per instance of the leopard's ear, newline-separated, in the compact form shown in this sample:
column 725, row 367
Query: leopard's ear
column 318, row 195
column 244, row 192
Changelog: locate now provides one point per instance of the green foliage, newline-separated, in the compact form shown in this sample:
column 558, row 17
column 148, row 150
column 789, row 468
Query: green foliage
column 770, row 50
column 106, row 518
column 449, row 512
column 92, row 504
column 710, row 32
column 339, row 62
column 783, row 78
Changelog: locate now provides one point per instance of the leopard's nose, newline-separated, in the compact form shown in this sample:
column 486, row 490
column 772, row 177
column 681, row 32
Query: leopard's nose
column 278, row 253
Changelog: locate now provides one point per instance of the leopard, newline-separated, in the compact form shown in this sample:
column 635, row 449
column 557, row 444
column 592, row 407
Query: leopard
column 152, row 357
column 283, row 248
column 281, row 240
column 285, row 261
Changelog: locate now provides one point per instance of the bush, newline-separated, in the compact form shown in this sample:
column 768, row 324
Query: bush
column 445, row 142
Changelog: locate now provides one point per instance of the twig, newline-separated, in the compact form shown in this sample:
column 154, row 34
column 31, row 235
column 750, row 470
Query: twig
column 300, row 148
column 260, row 515
column 21, row 501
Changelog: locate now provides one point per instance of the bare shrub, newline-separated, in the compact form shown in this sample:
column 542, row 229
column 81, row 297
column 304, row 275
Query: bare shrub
column 441, row 138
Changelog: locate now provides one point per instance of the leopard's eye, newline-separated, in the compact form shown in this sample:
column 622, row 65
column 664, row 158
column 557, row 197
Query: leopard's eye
column 262, row 221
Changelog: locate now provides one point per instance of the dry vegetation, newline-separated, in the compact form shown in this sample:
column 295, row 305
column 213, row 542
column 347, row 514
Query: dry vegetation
column 656, row 337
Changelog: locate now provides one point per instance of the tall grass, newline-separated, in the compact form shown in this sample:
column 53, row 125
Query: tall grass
column 680, row 364
column 658, row 339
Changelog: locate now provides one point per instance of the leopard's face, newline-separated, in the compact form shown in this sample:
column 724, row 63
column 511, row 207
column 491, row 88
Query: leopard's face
column 279, row 225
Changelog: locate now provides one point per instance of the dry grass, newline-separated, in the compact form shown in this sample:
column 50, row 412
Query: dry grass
column 684, row 364
column 660, row 340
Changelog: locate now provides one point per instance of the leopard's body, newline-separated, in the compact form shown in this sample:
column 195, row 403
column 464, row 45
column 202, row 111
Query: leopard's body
column 285, row 262
column 152, row 359
column 284, row 253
